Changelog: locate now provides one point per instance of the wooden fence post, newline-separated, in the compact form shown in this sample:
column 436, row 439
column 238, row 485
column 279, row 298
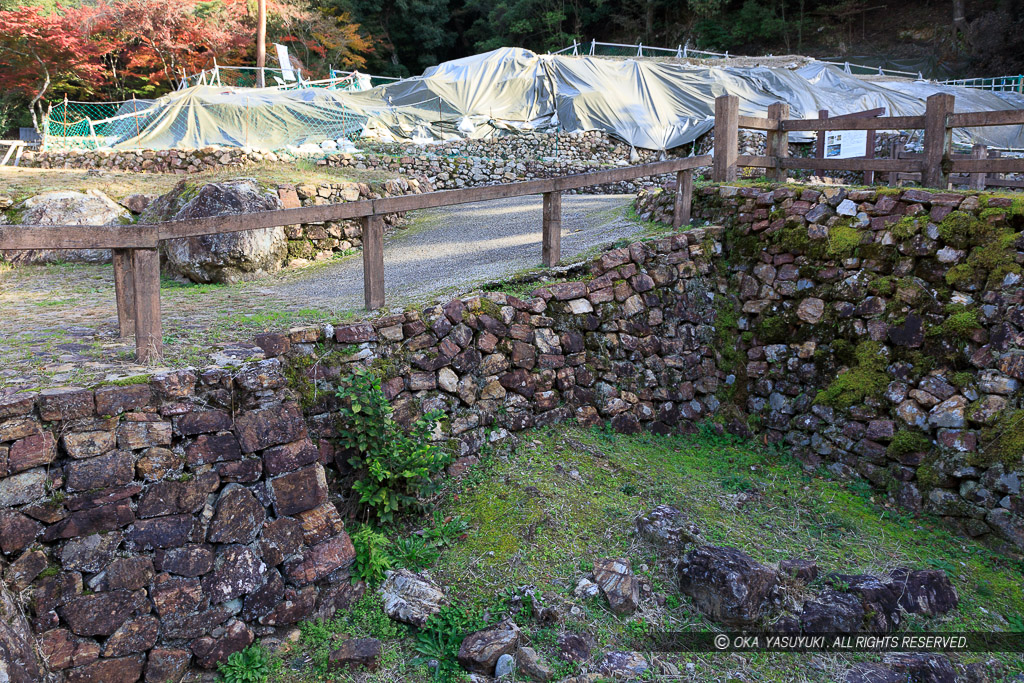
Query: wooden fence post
column 684, row 198
column 778, row 140
column 373, row 261
column 819, row 141
column 551, row 249
column 976, row 181
column 124, row 291
column 149, row 339
column 727, row 126
column 936, row 140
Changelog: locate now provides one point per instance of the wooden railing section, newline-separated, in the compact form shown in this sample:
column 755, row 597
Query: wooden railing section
column 933, row 167
column 136, row 256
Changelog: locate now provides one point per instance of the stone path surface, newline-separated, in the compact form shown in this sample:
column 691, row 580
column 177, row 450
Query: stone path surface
column 58, row 323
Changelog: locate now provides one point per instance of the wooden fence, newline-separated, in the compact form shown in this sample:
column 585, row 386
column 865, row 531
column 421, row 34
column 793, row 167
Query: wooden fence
column 136, row 256
column 933, row 166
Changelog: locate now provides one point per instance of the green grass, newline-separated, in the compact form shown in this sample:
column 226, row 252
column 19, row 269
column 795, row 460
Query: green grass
column 541, row 513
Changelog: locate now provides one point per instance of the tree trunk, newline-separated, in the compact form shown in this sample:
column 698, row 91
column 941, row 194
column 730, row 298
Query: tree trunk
column 959, row 22
column 261, row 41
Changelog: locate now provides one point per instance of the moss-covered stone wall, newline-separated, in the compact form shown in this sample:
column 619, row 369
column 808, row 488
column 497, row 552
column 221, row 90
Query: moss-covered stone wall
column 879, row 333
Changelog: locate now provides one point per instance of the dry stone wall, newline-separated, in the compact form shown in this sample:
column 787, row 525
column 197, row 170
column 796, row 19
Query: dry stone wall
column 156, row 526
column 879, row 332
column 450, row 165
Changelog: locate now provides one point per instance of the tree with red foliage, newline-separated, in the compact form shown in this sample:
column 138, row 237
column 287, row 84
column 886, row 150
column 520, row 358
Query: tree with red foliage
column 156, row 39
column 41, row 51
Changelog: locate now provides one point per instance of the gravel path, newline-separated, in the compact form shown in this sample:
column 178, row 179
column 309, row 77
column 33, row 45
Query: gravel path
column 450, row 250
column 58, row 323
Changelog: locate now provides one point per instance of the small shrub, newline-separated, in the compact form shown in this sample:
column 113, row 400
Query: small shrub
column 251, row 665
column 446, row 530
column 414, row 553
column 367, row 619
column 395, row 467
column 372, row 558
column 442, row 635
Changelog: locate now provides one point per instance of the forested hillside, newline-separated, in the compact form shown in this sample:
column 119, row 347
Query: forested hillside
column 114, row 49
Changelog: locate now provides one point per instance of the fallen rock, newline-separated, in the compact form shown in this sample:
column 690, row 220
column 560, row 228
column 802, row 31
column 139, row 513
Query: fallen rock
column 532, row 666
column 622, row 665
column 924, row 591
column 726, row 584
column 505, row 668
column 832, row 612
column 356, row 652
column 667, row 527
column 228, row 257
column 614, row 576
column 574, row 647
column 480, row 651
column 922, row 667
column 803, row 571
column 411, row 598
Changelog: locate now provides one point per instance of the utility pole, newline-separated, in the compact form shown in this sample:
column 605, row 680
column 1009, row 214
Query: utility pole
column 261, row 42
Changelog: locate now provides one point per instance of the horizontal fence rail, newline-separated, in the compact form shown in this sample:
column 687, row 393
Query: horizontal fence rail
column 136, row 256
column 932, row 168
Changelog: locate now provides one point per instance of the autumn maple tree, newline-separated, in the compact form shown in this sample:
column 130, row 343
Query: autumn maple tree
column 41, row 51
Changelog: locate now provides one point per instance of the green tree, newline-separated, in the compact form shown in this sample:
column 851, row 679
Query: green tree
column 407, row 35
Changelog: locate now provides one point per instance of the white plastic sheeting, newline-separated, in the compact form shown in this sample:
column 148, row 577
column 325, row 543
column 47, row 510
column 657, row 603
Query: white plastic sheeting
column 652, row 105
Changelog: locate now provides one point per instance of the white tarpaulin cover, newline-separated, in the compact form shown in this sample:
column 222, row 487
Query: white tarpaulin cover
column 653, row 105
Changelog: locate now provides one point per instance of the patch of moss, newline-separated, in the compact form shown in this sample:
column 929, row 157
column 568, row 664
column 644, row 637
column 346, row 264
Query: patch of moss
column 126, row 381
column 961, row 325
column 843, row 240
column 883, row 286
column 772, row 329
column 928, row 475
column 960, row 229
column 959, row 275
column 961, row 379
column 905, row 442
column 490, row 308
column 1002, row 442
column 905, row 228
column 296, row 376
column 866, row 379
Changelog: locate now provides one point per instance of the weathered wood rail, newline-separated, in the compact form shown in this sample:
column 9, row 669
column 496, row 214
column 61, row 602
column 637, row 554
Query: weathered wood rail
column 932, row 168
column 136, row 256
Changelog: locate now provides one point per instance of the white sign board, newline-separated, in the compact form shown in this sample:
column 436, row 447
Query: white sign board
column 846, row 144
column 286, row 65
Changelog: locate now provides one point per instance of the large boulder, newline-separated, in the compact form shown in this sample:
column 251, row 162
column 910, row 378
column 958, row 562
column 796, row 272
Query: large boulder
column 65, row 208
column 727, row 585
column 229, row 257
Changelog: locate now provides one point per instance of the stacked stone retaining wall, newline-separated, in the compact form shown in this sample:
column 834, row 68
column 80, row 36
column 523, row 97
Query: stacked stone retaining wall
column 155, row 526
column 449, row 165
column 879, row 332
